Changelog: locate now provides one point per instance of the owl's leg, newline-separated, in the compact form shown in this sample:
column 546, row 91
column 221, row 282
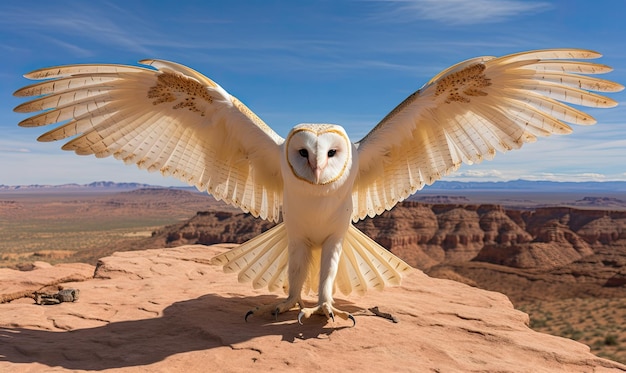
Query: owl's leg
column 331, row 252
column 299, row 259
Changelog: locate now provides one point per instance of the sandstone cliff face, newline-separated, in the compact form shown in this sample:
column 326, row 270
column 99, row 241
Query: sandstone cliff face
column 409, row 231
column 604, row 230
column 544, row 238
column 170, row 310
column 215, row 227
column 500, row 228
column 426, row 235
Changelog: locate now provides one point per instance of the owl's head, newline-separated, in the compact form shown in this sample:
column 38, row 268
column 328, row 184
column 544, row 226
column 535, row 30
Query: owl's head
column 318, row 153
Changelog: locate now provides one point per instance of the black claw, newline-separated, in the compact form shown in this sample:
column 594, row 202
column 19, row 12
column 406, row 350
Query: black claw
column 275, row 313
column 353, row 320
column 332, row 316
column 248, row 314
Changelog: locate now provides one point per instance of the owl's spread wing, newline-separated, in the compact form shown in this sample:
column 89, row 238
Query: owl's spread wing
column 172, row 119
column 467, row 112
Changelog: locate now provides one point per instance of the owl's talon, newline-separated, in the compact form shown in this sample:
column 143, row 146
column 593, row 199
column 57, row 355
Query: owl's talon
column 327, row 310
column 275, row 313
column 274, row 309
column 248, row 314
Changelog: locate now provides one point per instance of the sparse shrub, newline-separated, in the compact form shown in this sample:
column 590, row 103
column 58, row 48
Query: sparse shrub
column 610, row 340
column 538, row 323
column 570, row 332
column 549, row 316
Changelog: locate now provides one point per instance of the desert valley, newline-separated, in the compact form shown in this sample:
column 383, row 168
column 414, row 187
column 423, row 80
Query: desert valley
column 558, row 252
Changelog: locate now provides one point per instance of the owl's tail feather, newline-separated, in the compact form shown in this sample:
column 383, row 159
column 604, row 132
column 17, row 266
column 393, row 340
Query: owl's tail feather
column 364, row 264
column 262, row 260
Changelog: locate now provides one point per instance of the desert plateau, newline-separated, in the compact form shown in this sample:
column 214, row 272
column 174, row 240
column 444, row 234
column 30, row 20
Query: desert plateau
column 558, row 255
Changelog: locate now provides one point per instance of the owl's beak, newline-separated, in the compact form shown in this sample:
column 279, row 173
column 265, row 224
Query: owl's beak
column 317, row 171
column 318, row 168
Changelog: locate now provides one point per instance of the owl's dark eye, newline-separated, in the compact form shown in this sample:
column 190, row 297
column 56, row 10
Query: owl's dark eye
column 331, row 153
column 304, row 153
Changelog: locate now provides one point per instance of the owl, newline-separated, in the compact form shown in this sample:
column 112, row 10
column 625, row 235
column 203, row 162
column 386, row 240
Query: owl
column 316, row 182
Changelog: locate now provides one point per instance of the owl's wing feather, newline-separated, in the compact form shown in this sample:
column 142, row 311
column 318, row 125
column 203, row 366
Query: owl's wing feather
column 171, row 119
column 468, row 112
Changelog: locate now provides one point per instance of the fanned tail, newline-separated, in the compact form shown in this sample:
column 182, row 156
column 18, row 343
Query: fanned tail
column 262, row 260
column 364, row 264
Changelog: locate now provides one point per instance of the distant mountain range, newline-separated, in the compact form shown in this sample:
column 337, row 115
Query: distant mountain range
column 529, row 186
column 501, row 186
column 99, row 185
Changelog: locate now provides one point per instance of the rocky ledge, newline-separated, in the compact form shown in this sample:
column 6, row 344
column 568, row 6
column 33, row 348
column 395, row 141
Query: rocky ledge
column 168, row 310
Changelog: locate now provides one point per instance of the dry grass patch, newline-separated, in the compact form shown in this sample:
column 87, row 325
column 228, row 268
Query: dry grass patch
column 598, row 323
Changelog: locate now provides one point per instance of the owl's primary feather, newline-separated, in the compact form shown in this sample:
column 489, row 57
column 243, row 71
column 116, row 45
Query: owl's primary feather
column 173, row 119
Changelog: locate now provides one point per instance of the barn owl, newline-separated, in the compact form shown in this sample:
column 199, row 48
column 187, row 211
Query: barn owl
column 170, row 118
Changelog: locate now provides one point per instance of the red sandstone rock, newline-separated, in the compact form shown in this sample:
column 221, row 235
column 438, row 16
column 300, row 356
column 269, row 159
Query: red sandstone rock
column 18, row 284
column 169, row 310
column 426, row 235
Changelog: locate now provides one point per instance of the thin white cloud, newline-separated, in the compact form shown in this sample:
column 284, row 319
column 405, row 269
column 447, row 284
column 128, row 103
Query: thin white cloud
column 481, row 174
column 64, row 167
column 529, row 174
column 593, row 176
column 12, row 144
column 464, row 12
column 585, row 176
column 4, row 149
column 100, row 27
column 75, row 49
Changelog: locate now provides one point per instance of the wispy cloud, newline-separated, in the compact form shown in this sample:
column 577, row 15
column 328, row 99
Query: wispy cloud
column 65, row 167
column 5, row 149
column 525, row 174
column 463, row 12
column 482, row 174
column 74, row 49
column 80, row 20
column 585, row 176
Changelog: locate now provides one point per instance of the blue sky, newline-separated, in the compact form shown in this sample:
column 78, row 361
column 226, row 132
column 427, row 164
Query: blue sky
column 344, row 62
